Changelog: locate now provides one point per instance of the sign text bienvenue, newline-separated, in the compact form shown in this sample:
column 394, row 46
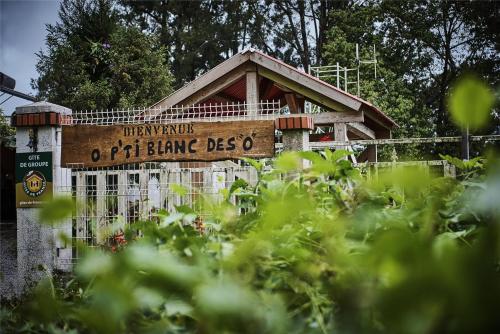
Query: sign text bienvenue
column 97, row 146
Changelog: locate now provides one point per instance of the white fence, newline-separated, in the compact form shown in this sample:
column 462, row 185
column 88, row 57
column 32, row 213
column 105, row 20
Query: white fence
column 107, row 199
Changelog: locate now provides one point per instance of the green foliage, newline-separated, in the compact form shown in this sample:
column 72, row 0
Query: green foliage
column 470, row 103
column 179, row 189
column 468, row 168
column 422, row 48
column 201, row 34
column 388, row 91
column 5, row 128
column 432, row 44
column 94, row 62
column 316, row 251
column 197, row 35
column 56, row 210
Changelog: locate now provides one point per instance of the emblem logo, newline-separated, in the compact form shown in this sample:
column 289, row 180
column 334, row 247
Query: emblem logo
column 34, row 183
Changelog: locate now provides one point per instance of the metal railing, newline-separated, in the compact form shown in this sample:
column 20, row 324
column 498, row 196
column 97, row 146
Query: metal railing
column 200, row 113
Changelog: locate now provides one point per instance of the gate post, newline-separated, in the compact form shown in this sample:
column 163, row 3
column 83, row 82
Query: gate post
column 295, row 131
column 38, row 177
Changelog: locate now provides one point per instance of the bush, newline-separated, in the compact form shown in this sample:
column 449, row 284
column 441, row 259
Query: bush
column 314, row 251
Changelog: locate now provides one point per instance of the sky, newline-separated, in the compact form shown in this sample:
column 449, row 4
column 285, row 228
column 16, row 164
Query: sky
column 22, row 34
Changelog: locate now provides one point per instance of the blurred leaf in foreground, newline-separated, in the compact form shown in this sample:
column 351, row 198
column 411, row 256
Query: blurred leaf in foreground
column 56, row 210
column 470, row 103
column 179, row 189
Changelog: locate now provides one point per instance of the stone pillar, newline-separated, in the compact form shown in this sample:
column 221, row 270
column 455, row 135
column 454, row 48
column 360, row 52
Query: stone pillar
column 296, row 140
column 39, row 247
column 449, row 170
column 295, row 131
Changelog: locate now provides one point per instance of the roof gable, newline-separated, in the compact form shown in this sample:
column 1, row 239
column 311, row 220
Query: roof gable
column 226, row 81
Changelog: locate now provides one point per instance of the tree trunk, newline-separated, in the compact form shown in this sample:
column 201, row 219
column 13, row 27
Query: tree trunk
column 303, row 33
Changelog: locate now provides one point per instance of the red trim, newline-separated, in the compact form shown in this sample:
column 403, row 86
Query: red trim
column 53, row 119
column 40, row 119
column 294, row 123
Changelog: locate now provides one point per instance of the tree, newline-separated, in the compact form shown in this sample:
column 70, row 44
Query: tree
column 197, row 35
column 431, row 44
column 95, row 62
column 5, row 128
column 423, row 46
column 200, row 34
column 299, row 28
column 388, row 91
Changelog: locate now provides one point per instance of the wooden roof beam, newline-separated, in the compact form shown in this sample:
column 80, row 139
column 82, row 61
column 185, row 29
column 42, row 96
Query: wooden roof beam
column 303, row 84
column 265, row 88
column 283, row 88
column 361, row 130
column 305, row 91
column 213, row 88
column 332, row 117
column 291, row 101
column 225, row 98
column 383, row 132
column 211, row 76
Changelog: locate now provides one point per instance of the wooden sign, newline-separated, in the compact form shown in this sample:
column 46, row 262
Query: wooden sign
column 100, row 146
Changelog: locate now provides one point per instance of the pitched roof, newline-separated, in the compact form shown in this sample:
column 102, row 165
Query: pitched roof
column 229, row 77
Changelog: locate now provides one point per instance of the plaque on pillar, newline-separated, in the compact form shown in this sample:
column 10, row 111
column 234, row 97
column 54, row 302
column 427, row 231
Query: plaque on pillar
column 33, row 179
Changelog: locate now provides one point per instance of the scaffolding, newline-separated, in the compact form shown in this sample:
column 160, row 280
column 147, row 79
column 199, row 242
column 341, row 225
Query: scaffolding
column 343, row 77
